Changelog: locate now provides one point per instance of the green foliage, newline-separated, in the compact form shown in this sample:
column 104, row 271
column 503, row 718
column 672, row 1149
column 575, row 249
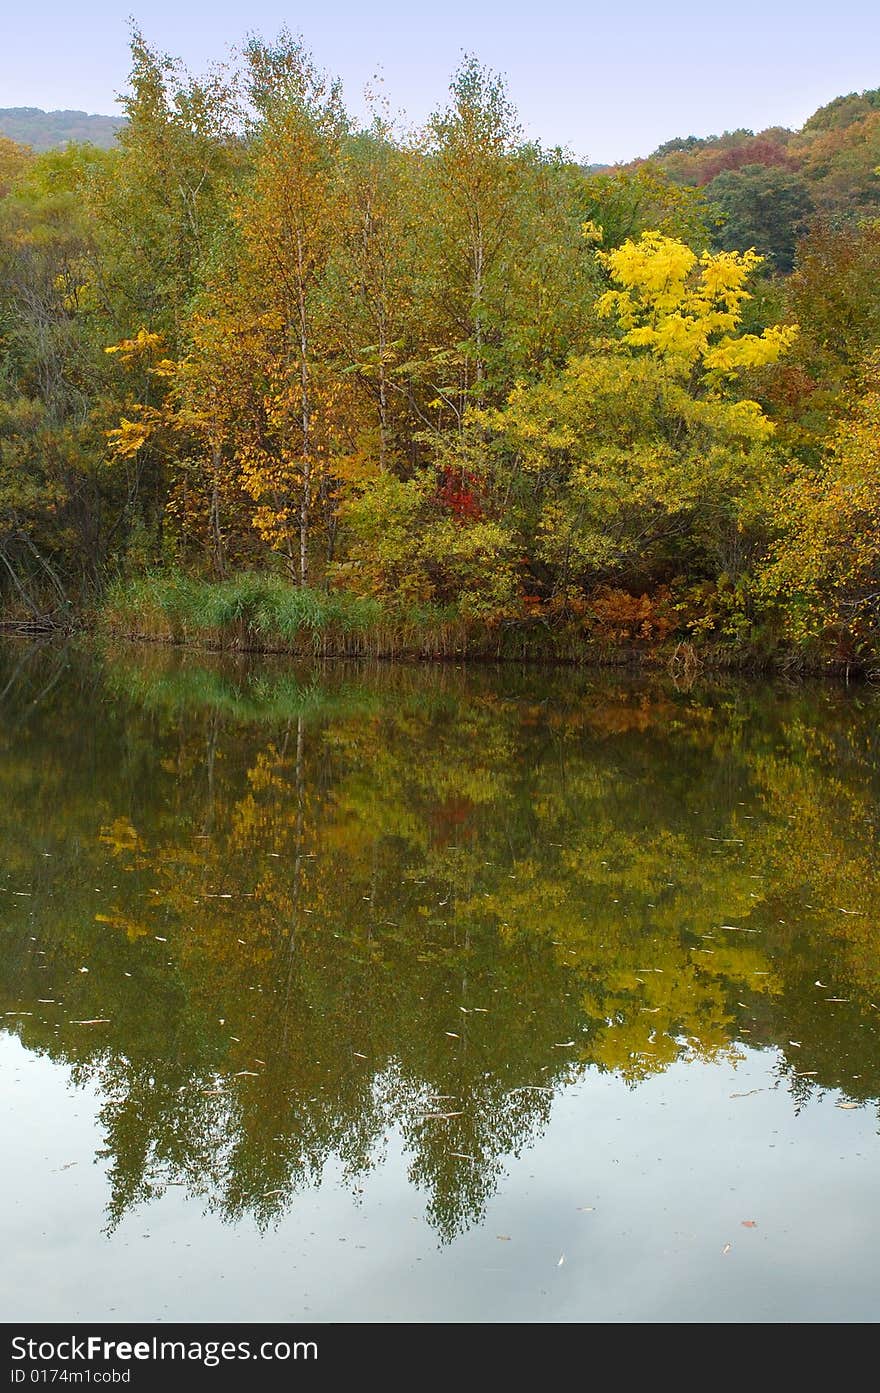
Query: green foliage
column 633, row 476
column 448, row 378
column 623, row 203
column 825, row 565
column 405, row 543
column 762, row 207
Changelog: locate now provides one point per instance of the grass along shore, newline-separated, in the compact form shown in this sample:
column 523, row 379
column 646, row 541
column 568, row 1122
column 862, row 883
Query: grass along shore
column 259, row 613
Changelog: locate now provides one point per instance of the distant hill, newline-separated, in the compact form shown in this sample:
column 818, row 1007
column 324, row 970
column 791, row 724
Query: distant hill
column 47, row 130
column 768, row 187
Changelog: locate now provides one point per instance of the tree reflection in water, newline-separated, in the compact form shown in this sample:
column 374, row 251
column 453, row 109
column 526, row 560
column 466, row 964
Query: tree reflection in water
column 302, row 911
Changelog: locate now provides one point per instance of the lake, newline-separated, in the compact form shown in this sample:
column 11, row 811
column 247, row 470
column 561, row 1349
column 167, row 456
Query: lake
column 435, row 994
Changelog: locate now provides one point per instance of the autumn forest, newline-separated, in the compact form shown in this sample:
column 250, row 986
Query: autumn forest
column 273, row 378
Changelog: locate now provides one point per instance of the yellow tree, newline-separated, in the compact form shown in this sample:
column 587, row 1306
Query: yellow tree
column 14, row 160
column 687, row 309
column 825, row 567
column 638, row 457
column 287, row 224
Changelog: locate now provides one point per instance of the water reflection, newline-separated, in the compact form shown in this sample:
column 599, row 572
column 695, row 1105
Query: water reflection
column 274, row 915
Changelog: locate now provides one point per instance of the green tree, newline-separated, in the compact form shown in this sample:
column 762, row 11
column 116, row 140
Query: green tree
column 763, row 207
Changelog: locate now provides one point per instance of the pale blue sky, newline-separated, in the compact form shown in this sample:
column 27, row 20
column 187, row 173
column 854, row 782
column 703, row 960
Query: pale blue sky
column 608, row 81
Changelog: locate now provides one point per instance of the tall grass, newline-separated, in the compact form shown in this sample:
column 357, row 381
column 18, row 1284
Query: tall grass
column 263, row 613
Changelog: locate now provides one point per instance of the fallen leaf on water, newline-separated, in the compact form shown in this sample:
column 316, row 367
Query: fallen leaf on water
column 99, row 1020
column 847, row 1106
column 725, row 1249
column 564, row 1044
column 452, row 1035
column 749, row 1223
column 503, row 1237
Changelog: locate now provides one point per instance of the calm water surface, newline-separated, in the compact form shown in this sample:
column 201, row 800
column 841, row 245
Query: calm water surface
column 428, row 994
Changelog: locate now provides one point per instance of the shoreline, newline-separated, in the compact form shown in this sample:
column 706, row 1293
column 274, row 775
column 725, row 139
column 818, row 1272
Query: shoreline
column 516, row 645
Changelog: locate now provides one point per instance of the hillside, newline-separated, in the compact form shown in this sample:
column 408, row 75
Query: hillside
column 46, row 130
column 767, row 187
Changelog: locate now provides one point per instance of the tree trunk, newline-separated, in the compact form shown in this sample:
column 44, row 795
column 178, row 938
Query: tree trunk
column 305, row 500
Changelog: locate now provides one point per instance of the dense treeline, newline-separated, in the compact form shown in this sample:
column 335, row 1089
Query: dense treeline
column 262, row 368
column 767, row 188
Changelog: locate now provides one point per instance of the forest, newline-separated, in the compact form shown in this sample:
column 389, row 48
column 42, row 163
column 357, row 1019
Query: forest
column 272, row 378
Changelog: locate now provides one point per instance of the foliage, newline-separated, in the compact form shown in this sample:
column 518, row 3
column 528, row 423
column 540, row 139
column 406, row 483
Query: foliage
column 762, row 206
column 826, row 563
column 688, row 309
column 635, row 477
column 445, row 370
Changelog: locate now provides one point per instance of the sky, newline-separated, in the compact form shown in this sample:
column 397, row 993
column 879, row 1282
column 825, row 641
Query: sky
column 606, row 81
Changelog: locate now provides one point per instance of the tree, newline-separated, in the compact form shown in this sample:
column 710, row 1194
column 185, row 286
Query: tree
column 762, row 207
column 841, row 163
column 834, row 295
column 288, row 221
column 472, row 177
column 825, row 565
column 372, row 289
column 623, row 203
column 178, row 155
column 643, row 460
column 54, row 402
column 687, row 310
column 14, row 160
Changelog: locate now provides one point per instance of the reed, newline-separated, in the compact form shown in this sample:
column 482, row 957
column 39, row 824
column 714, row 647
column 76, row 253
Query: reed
column 254, row 612
column 260, row 613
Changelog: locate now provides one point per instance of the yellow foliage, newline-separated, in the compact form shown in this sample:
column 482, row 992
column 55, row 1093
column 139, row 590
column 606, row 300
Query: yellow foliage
column 144, row 344
column 688, row 309
column 130, row 436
